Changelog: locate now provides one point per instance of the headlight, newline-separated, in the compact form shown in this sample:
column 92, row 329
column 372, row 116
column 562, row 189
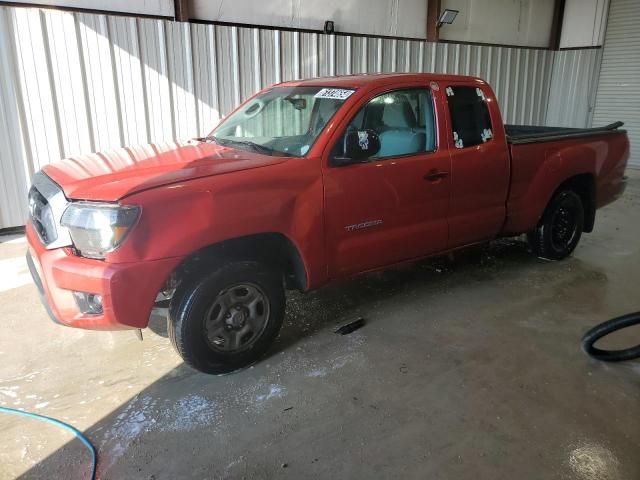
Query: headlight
column 98, row 228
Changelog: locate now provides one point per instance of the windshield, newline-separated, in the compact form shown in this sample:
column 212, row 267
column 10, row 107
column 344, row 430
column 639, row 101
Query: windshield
column 281, row 121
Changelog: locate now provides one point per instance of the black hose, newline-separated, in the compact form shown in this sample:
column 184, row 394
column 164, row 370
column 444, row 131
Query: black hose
column 603, row 329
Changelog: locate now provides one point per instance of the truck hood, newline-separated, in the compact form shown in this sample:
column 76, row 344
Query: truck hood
column 112, row 175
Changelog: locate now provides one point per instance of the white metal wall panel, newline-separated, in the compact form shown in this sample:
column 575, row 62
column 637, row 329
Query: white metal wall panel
column 573, row 87
column 618, row 96
column 157, row 86
column 39, row 96
column 99, row 80
column 397, row 18
column 161, row 8
column 583, row 23
column 15, row 169
column 74, row 82
column 181, row 79
column 205, row 77
column 508, row 22
column 125, row 52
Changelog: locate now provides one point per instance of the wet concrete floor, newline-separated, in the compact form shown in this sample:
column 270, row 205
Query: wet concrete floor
column 468, row 367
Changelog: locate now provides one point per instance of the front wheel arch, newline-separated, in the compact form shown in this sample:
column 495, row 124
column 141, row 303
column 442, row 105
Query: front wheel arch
column 273, row 249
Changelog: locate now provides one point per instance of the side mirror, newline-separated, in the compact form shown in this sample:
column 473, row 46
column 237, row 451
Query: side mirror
column 359, row 146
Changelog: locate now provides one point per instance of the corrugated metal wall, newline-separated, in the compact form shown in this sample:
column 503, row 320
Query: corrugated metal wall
column 572, row 89
column 75, row 83
column 15, row 165
column 618, row 96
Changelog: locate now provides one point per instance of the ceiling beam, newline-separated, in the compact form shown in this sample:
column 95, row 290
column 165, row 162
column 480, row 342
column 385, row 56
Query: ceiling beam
column 556, row 25
column 433, row 13
column 181, row 8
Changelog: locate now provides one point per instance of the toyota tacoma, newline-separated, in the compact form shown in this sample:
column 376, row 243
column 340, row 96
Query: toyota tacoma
column 305, row 183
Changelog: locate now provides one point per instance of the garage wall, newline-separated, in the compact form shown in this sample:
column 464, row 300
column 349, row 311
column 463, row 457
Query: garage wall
column 160, row 8
column 584, row 23
column 507, row 22
column 397, row 18
column 76, row 82
column 15, row 164
column 573, row 87
column 618, row 96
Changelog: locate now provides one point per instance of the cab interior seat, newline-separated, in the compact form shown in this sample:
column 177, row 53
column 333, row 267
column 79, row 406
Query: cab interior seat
column 394, row 121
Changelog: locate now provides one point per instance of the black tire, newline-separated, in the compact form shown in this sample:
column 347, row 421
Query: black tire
column 558, row 232
column 189, row 316
column 599, row 331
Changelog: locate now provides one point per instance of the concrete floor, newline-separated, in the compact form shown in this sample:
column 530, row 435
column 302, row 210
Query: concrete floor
column 467, row 368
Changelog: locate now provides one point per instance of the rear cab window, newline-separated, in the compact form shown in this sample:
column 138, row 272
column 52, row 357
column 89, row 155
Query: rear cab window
column 470, row 119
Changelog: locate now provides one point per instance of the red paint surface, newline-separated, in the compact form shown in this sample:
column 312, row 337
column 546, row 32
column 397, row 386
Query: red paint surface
column 193, row 195
column 128, row 290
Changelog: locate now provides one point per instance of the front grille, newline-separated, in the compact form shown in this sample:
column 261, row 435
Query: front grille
column 47, row 204
column 42, row 217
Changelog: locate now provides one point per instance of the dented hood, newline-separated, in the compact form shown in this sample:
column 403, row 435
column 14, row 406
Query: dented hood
column 110, row 176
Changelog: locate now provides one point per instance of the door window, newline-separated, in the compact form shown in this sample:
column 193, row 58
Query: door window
column 470, row 120
column 403, row 120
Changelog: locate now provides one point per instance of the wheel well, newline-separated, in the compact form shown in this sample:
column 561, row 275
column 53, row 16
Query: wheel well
column 274, row 249
column 585, row 186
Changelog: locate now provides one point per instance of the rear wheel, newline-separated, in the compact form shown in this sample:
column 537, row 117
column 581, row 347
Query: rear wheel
column 226, row 319
column 558, row 232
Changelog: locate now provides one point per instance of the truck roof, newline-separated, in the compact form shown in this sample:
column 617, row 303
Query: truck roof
column 366, row 79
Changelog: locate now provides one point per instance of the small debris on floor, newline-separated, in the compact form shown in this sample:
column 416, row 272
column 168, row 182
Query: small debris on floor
column 350, row 327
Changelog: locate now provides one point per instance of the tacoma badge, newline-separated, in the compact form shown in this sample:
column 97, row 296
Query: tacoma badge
column 360, row 226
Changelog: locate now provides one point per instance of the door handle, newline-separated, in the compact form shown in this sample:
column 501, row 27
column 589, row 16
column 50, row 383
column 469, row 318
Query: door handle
column 435, row 175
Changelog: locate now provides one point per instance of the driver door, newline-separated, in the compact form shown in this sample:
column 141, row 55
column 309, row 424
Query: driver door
column 394, row 206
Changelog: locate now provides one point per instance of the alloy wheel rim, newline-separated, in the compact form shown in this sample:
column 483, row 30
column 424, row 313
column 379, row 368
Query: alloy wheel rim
column 564, row 225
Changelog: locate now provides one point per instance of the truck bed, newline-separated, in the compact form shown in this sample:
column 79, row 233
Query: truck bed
column 533, row 134
column 543, row 157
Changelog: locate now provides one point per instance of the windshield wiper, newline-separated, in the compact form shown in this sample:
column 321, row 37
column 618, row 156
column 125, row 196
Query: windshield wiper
column 227, row 142
column 209, row 138
column 256, row 147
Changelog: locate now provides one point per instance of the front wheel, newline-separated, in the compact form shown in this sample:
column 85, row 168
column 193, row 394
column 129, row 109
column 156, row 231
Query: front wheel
column 227, row 319
column 558, row 232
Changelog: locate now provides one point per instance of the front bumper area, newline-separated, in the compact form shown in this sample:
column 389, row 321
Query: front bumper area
column 128, row 290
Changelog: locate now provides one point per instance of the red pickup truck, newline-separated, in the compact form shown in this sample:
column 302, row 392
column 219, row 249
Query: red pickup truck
column 306, row 182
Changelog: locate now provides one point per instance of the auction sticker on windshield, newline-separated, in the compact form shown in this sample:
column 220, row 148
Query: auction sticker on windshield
column 335, row 93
